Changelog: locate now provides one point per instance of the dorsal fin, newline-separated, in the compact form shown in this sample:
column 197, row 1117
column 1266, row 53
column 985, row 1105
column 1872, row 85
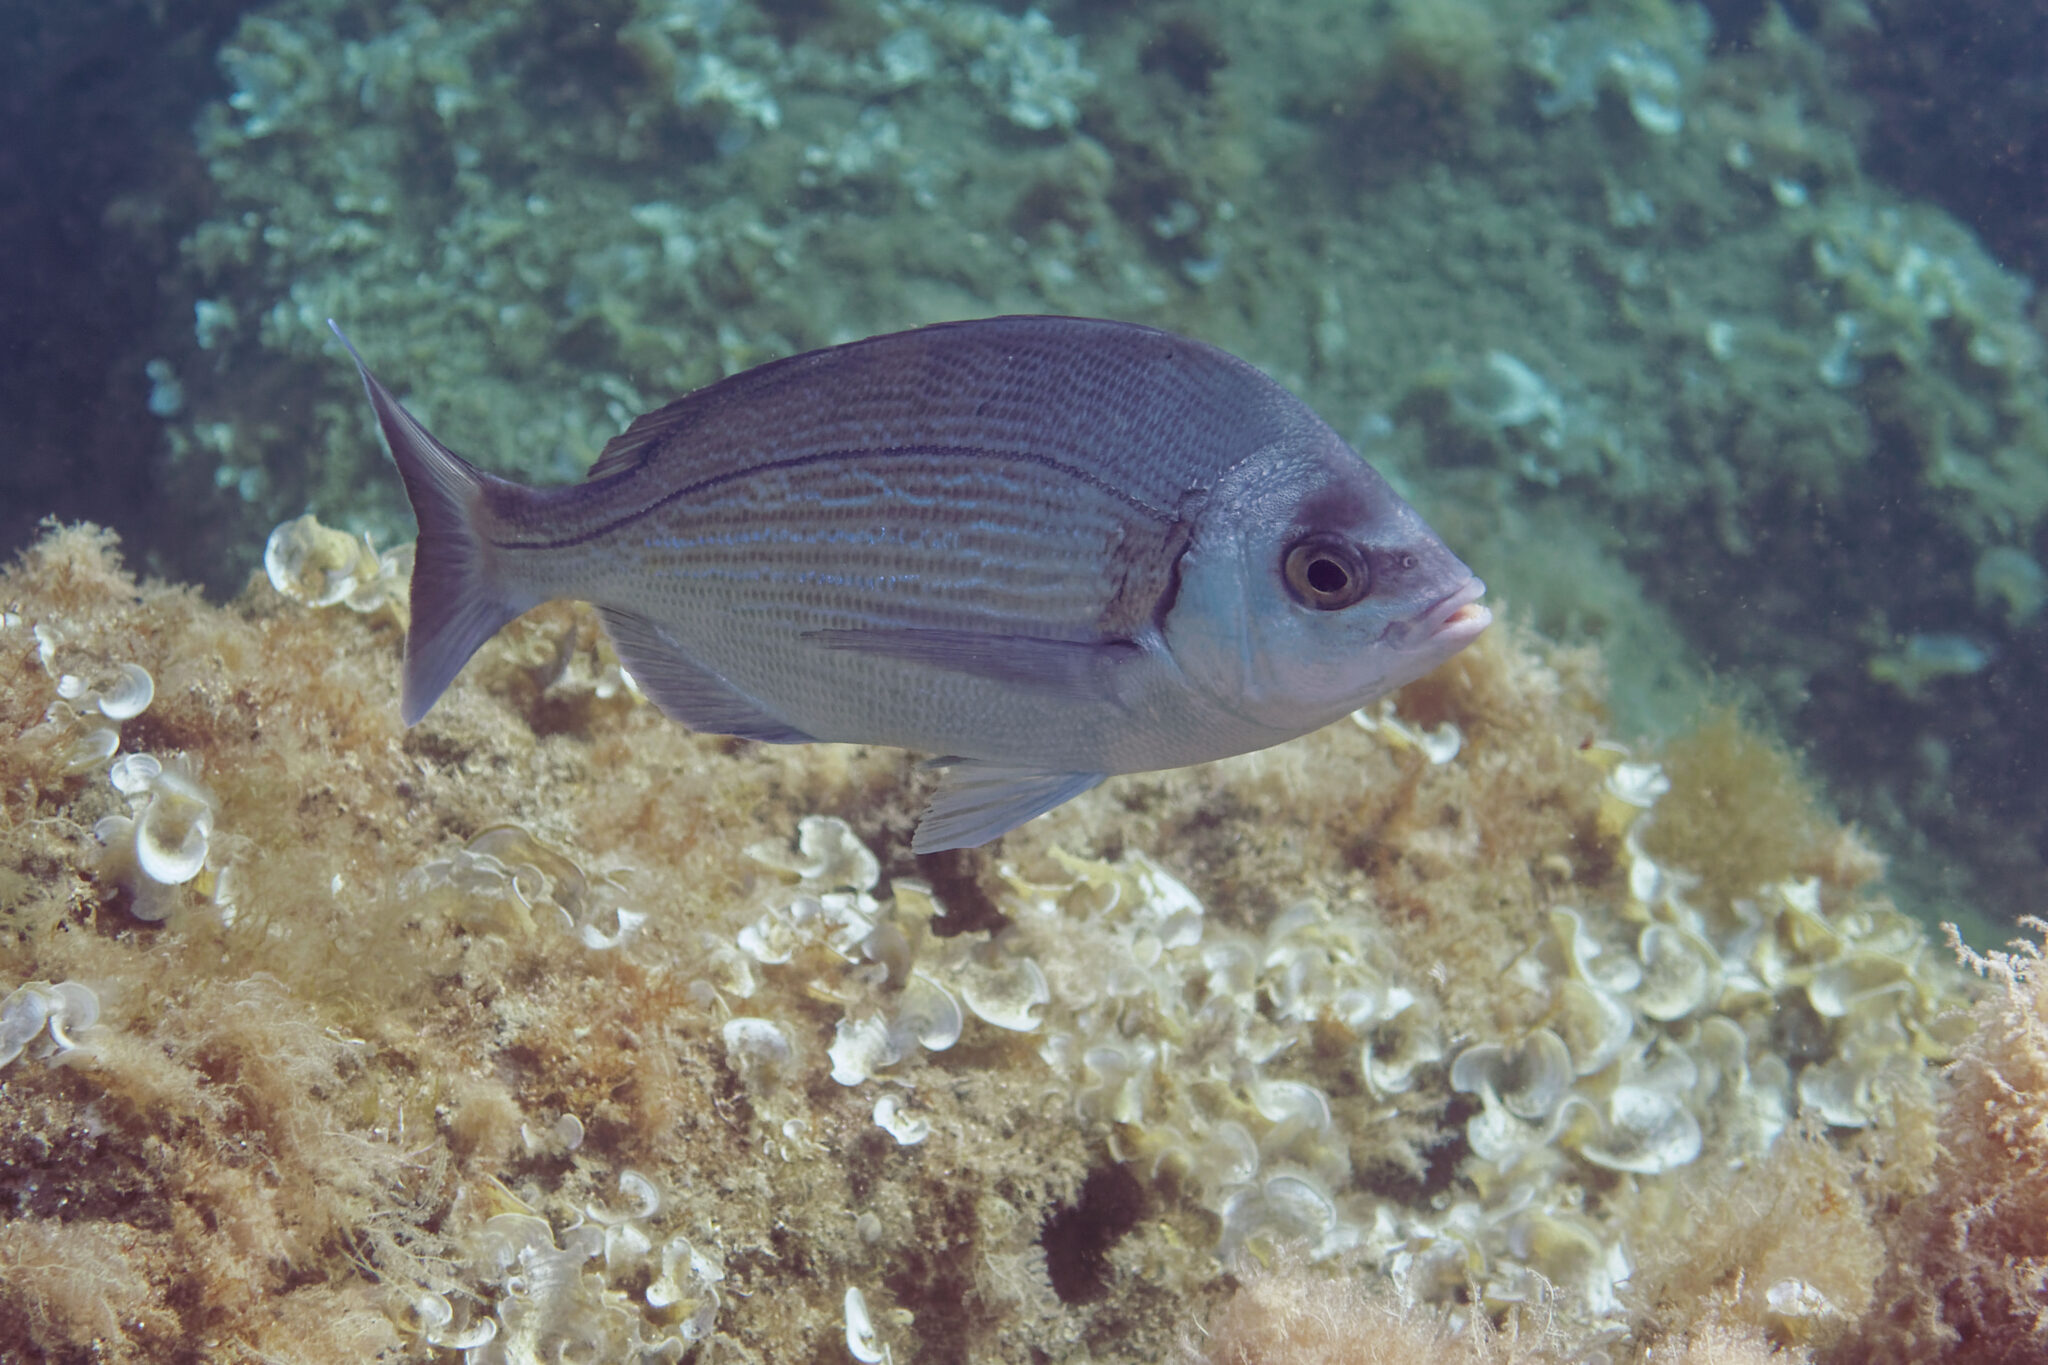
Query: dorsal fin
column 631, row 447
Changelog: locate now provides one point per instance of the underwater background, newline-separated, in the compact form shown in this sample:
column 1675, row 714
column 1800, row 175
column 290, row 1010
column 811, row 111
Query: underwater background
column 1703, row 332
column 1584, row 1003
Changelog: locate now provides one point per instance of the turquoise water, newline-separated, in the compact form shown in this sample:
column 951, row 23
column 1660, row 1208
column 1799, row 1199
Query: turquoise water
column 1706, row 336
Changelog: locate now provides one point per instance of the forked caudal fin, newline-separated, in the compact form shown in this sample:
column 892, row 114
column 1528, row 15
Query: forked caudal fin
column 460, row 598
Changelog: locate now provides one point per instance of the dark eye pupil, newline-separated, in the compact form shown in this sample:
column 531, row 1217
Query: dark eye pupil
column 1325, row 572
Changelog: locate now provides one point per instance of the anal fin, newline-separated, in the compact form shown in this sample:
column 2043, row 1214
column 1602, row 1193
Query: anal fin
column 978, row 801
column 687, row 691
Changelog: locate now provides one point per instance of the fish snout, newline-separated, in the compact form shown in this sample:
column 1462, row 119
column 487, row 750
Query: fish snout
column 1447, row 624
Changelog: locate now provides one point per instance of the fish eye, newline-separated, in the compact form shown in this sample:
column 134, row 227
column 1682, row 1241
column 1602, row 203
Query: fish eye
column 1326, row 572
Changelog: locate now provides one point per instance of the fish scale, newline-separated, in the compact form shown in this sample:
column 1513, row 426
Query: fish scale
column 1046, row 549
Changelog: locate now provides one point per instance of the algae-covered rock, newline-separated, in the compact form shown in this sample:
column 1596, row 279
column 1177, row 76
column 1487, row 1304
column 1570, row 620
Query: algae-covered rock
column 550, row 1028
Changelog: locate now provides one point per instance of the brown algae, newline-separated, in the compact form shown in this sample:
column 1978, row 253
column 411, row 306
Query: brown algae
column 550, row 1029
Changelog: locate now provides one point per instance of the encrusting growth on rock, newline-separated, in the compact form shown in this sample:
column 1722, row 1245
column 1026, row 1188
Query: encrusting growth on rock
column 548, row 1026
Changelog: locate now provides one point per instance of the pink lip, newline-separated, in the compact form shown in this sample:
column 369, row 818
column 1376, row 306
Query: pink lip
column 1452, row 620
column 1461, row 610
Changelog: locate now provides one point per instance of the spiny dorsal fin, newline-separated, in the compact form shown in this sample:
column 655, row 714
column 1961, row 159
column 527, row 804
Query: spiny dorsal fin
column 631, row 447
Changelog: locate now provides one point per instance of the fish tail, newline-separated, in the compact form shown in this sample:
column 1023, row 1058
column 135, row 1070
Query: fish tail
column 461, row 595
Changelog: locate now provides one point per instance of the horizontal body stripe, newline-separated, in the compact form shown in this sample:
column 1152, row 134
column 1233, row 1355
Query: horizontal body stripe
column 928, row 538
column 951, row 508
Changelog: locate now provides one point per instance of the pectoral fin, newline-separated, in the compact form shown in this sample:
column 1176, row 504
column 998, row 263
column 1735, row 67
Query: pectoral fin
column 978, row 801
column 1075, row 670
column 687, row 691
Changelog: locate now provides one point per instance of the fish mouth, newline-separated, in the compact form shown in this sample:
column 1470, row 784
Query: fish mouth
column 1449, row 623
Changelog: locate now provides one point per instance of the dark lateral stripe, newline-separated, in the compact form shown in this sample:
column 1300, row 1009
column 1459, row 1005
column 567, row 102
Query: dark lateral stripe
column 827, row 456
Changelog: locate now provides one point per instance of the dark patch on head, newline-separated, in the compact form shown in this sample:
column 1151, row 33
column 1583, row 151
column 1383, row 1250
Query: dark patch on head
column 1077, row 1239
column 1333, row 506
column 1186, row 50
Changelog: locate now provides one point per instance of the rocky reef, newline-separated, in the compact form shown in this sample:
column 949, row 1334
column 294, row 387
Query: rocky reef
column 549, row 1030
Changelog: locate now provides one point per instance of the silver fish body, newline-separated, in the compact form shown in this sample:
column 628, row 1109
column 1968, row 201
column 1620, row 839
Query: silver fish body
column 1047, row 549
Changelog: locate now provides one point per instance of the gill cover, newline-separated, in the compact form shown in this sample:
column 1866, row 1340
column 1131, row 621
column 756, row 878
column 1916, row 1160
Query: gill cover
column 1309, row 588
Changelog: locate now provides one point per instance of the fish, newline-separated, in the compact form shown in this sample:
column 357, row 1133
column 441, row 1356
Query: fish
column 1045, row 550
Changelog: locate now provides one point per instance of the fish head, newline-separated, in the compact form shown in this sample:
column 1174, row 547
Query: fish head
column 1310, row 587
